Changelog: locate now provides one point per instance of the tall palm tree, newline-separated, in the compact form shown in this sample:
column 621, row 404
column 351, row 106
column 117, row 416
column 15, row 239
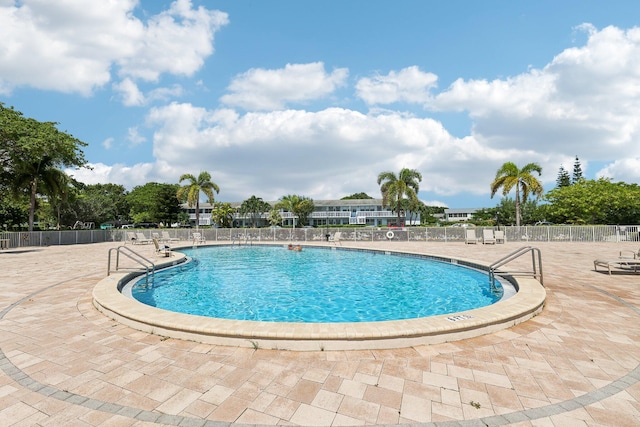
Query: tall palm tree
column 395, row 188
column 255, row 207
column 299, row 206
column 510, row 176
column 191, row 191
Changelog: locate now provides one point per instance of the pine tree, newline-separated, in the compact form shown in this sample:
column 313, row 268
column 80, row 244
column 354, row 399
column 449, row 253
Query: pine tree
column 563, row 180
column 577, row 171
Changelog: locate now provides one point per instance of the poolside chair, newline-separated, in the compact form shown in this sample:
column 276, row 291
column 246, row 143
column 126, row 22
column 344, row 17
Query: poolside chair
column 131, row 238
column 337, row 236
column 500, row 237
column 161, row 249
column 488, row 236
column 141, row 238
column 470, row 237
column 630, row 254
column 626, row 264
column 199, row 238
column 167, row 238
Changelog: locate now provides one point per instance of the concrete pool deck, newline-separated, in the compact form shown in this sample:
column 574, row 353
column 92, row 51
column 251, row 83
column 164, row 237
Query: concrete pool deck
column 64, row 363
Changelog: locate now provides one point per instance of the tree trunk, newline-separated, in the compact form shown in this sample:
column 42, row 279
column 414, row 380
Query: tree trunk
column 32, row 203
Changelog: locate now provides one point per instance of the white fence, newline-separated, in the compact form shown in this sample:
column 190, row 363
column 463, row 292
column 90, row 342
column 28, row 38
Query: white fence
column 556, row 233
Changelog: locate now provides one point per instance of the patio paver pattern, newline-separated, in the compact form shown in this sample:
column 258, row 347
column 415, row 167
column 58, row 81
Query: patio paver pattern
column 63, row 363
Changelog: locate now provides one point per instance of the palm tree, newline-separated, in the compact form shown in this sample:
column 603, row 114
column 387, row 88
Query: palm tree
column 254, row 206
column 509, row 176
column 298, row 205
column 40, row 177
column 191, row 191
column 395, row 188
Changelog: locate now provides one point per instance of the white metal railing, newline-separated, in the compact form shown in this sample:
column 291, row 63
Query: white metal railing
column 525, row 234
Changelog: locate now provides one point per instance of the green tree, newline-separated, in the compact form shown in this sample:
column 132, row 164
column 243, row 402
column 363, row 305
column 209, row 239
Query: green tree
column 577, row 171
column 254, row 207
column 190, row 193
column 222, row 214
column 300, row 206
column 563, row 180
column 510, row 176
column 594, row 202
column 395, row 188
column 357, row 196
column 154, row 202
column 274, row 217
column 33, row 154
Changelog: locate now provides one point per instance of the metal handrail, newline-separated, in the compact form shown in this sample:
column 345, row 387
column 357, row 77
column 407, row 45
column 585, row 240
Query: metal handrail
column 150, row 267
column 536, row 268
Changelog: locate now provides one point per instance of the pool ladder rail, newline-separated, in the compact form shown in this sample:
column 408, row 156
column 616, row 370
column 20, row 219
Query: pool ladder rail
column 536, row 265
column 145, row 264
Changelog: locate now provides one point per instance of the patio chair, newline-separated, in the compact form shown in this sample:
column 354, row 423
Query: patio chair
column 131, row 238
column 337, row 236
column 630, row 254
column 164, row 250
column 499, row 236
column 625, row 264
column 199, row 238
column 470, row 237
column 488, row 236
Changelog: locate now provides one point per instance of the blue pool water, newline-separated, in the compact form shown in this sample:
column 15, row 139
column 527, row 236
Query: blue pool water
column 271, row 283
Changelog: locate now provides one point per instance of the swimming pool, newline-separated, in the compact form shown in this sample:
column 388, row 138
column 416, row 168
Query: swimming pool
column 316, row 285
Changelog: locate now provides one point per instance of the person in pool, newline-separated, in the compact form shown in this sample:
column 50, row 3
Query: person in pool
column 294, row 248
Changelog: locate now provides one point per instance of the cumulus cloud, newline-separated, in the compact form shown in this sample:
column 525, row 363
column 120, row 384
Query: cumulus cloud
column 407, row 85
column 627, row 170
column 260, row 89
column 72, row 45
column 584, row 101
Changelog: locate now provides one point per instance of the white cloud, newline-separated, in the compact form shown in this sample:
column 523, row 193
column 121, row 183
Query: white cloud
column 72, row 45
column 625, row 170
column 134, row 137
column 260, row 89
column 407, row 85
column 129, row 92
column 584, row 102
column 107, row 143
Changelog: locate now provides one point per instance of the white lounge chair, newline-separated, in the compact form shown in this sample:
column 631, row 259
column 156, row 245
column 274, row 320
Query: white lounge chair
column 626, row 264
column 161, row 249
column 167, row 238
column 131, row 238
column 488, row 236
column 141, row 238
column 337, row 236
column 499, row 235
column 470, row 237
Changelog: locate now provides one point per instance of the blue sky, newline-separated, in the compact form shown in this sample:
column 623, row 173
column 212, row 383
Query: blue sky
column 317, row 98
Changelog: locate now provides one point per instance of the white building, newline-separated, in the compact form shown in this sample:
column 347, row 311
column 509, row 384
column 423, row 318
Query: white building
column 327, row 212
column 459, row 215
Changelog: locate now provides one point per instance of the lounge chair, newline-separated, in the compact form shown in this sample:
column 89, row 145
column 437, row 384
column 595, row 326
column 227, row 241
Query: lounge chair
column 161, row 249
column 499, row 235
column 141, row 238
column 131, row 238
column 627, row 264
column 488, row 236
column 198, row 238
column 337, row 236
column 470, row 237
column 630, row 254
column 167, row 238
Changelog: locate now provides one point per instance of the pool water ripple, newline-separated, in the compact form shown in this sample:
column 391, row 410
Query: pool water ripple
column 271, row 283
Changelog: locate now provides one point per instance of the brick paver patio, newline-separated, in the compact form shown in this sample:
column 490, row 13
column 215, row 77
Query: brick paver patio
column 63, row 363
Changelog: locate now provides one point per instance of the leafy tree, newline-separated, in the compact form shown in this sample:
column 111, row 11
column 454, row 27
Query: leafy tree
column 357, row 196
column 577, row 171
column 254, row 207
column 274, row 217
column 33, row 154
column 222, row 214
column 395, row 188
column 13, row 212
column 563, row 180
column 190, row 193
column 595, row 202
column 510, row 176
column 154, row 202
column 300, row 206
